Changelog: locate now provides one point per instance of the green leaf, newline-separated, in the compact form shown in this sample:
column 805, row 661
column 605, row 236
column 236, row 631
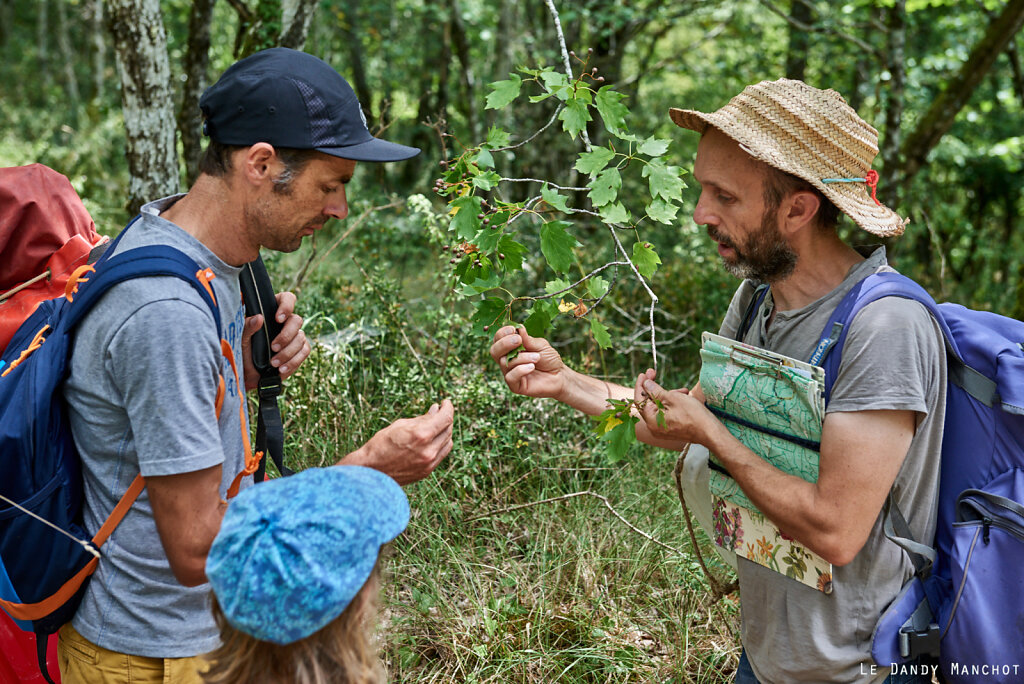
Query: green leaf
column 491, row 312
column 556, row 245
column 503, row 92
column 645, row 259
column 662, row 211
column 605, row 187
column 513, row 252
column 664, row 180
column 556, row 285
column 465, row 222
column 553, row 80
column 551, row 196
column 620, row 438
column 611, row 109
column 653, row 147
column 597, row 287
column 600, row 333
column 487, row 239
column 539, row 321
column 614, row 213
column 595, row 160
column 486, row 181
column 484, row 159
column 480, row 286
column 496, row 137
column 574, row 117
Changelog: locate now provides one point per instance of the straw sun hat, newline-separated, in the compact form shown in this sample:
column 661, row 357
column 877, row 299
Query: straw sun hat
column 812, row 134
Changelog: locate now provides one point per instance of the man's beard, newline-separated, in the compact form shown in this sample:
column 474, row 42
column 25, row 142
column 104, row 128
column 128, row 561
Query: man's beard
column 765, row 257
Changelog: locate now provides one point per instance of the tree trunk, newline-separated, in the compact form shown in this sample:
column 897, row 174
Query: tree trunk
column 43, row 41
column 355, row 59
column 940, row 116
column 140, row 45
column 461, row 43
column 896, row 65
column 6, row 15
column 296, row 16
column 67, row 56
column 99, row 49
column 799, row 39
column 197, row 62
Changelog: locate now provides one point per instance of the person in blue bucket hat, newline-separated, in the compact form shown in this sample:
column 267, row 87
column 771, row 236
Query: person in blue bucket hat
column 295, row 573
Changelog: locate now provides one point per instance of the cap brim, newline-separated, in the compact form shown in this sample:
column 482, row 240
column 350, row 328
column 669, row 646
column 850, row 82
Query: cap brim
column 373, row 150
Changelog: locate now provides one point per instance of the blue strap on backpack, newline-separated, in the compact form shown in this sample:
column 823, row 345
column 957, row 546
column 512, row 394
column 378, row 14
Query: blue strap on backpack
column 963, row 602
column 42, row 542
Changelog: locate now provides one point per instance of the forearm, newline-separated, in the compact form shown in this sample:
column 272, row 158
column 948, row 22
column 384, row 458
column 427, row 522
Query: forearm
column 590, row 395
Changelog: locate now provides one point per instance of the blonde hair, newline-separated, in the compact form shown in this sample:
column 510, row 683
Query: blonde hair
column 343, row 652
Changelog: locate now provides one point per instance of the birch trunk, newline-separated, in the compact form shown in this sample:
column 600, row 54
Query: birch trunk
column 296, row 16
column 99, row 49
column 140, row 45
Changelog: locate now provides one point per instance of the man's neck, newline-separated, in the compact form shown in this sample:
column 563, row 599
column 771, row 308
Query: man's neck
column 210, row 214
column 821, row 266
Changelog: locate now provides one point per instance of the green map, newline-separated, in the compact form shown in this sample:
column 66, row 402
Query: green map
column 775, row 406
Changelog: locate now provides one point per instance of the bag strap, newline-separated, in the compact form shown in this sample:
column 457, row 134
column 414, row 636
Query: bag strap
column 760, row 292
column 258, row 295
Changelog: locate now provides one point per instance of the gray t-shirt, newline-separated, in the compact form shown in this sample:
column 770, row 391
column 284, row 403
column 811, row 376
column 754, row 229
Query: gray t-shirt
column 141, row 396
column 894, row 358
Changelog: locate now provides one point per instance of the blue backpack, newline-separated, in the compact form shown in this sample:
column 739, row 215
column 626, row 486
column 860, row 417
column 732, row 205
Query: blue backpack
column 45, row 554
column 964, row 603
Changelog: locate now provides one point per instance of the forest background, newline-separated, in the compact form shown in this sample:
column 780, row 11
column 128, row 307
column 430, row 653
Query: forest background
column 540, row 551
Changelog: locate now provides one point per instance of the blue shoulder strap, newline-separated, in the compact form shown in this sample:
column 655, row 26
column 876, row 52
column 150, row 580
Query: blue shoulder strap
column 154, row 260
column 829, row 351
column 752, row 308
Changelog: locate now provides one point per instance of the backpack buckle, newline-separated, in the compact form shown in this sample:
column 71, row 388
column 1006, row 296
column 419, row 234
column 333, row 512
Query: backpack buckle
column 915, row 642
column 269, row 388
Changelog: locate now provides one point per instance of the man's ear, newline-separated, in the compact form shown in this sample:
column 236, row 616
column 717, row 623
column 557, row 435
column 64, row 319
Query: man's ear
column 799, row 209
column 258, row 162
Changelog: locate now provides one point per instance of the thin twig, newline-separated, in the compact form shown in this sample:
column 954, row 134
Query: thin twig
column 554, row 117
column 718, row 587
column 565, row 58
column 566, row 497
column 817, row 29
column 544, row 182
column 566, row 289
column 650, row 292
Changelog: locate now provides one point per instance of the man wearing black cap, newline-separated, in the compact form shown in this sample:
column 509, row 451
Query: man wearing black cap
column 145, row 389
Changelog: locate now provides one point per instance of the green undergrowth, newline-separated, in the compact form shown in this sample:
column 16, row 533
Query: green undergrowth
column 513, row 568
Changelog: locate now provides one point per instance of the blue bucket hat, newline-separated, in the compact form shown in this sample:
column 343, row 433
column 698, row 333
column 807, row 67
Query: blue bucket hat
column 292, row 99
column 293, row 552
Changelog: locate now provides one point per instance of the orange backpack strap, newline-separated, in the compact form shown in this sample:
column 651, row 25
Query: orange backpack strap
column 40, row 609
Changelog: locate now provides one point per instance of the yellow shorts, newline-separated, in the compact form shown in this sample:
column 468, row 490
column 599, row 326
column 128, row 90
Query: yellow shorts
column 83, row 662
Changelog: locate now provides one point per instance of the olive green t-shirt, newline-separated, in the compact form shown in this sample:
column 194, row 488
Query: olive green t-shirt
column 894, row 358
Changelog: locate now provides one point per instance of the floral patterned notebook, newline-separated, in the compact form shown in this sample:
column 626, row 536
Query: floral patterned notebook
column 775, row 406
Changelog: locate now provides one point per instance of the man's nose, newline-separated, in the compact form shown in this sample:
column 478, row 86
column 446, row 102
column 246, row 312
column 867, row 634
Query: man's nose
column 337, row 204
column 702, row 216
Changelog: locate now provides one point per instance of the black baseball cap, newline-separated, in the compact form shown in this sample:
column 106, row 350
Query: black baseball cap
column 291, row 99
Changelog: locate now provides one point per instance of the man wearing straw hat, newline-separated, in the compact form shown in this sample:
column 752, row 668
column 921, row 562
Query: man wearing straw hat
column 777, row 166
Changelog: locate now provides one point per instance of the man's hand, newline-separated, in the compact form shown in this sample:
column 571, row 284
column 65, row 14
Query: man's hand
column 536, row 371
column 409, row 449
column 290, row 348
column 673, row 414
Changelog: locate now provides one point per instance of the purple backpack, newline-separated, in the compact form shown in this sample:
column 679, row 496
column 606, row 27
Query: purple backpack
column 964, row 603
